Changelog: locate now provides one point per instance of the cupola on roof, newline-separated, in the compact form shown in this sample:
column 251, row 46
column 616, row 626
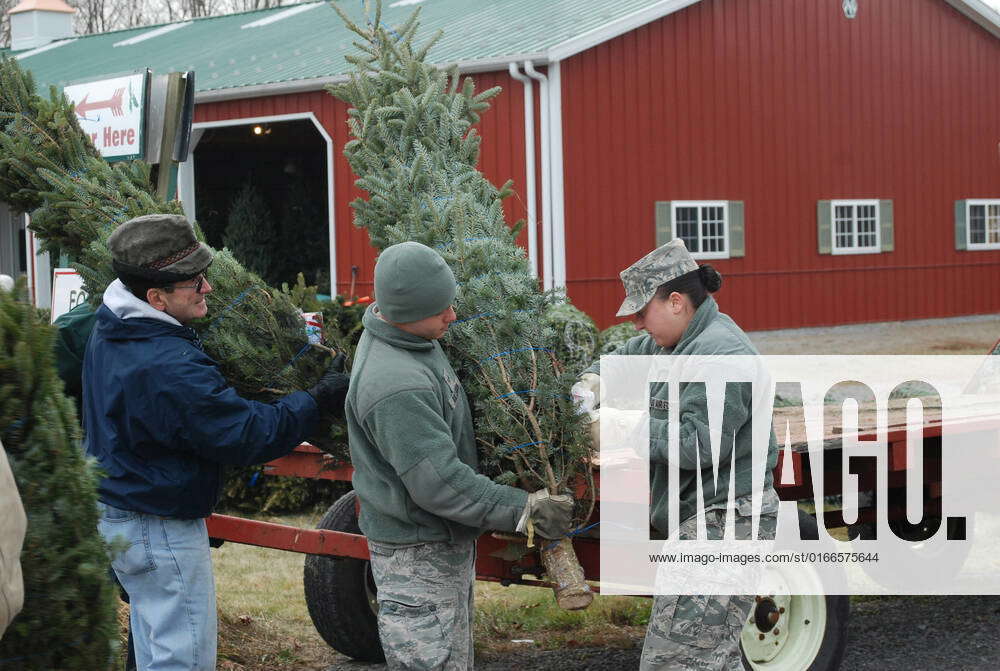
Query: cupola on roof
column 42, row 6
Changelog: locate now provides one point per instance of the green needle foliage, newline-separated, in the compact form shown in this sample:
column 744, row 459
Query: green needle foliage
column 614, row 336
column 250, row 233
column 415, row 152
column 49, row 168
column 69, row 617
column 576, row 335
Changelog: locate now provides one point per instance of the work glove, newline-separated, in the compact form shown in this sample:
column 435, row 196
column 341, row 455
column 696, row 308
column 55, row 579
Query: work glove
column 331, row 390
column 548, row 515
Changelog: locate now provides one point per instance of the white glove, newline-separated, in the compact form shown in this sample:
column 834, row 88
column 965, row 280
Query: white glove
column 586, row 394
column 624, row 427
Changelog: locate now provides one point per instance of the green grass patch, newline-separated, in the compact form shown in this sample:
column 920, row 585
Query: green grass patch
column 506, row 615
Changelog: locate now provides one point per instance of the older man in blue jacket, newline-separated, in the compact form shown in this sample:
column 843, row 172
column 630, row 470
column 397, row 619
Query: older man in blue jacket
column 162, row 422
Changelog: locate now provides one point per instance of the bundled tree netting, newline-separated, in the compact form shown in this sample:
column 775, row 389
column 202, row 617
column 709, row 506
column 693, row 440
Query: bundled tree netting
column 576, row 335
column 612, row 337
column 68, row 620
column 415, row 153
column 247, row 489
column 49, row 169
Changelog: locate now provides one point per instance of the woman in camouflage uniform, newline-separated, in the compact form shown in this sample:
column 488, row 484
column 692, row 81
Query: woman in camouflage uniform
column 668, row 296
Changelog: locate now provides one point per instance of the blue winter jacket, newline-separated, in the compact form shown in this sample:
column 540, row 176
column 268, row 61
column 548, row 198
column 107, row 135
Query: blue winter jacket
column 162, row 421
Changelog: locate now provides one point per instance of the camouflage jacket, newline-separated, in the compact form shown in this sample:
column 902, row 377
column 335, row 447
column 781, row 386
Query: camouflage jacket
column 710, row 333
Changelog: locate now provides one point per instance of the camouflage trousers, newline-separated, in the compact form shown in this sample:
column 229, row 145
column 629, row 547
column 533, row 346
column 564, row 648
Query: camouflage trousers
column 702, row 633
column 425, row 610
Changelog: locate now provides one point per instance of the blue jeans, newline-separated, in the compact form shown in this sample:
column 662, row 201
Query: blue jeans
column 167, row 571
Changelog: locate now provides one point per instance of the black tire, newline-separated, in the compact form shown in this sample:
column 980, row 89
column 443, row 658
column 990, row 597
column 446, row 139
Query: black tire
column 816, row 628
column 340, row 593
column 946, row 558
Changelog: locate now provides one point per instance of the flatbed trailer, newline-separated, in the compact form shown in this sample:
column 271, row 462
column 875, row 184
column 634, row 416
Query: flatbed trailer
column 340, row 592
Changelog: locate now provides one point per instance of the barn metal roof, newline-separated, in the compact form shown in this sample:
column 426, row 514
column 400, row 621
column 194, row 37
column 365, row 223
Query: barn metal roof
column 302, row 47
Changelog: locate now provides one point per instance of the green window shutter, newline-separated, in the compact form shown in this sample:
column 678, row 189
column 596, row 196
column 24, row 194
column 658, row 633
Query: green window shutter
column 885, row 224
column 664, row 222
column 737, row 244
column 961, row 225
column 824, row 219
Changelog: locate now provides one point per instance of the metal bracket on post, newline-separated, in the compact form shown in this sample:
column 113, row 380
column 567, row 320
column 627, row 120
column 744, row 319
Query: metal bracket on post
column 172, row 108
column 170, row 113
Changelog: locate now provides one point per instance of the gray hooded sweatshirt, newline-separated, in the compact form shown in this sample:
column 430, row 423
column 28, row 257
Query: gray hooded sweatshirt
column 412, row 445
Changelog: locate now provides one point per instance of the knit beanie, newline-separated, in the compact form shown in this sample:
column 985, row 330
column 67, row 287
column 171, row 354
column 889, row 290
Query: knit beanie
column 412, row 282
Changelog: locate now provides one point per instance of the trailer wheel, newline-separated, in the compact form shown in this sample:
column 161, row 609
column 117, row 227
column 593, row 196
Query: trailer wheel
column 946, row 557
column 789, row 632
column 341, row 593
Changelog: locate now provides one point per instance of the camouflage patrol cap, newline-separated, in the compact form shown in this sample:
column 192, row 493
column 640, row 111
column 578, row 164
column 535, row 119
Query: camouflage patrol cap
column 643, row 277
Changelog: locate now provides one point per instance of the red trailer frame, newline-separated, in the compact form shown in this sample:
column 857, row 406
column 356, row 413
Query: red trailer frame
column 307, row 461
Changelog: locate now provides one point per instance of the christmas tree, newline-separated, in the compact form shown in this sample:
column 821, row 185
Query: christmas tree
column 415, row 152
column 49, row 168
column 249, row 233
column 68, row 620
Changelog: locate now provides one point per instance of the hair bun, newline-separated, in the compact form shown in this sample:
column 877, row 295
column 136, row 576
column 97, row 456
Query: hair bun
column 710, row 278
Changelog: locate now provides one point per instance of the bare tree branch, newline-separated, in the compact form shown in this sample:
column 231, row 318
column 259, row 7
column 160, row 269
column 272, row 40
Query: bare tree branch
column 100, row 16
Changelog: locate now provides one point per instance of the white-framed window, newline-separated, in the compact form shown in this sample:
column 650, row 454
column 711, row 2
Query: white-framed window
column 703, row 225
column 982, row 219
column 855, row 227
column 710, row 229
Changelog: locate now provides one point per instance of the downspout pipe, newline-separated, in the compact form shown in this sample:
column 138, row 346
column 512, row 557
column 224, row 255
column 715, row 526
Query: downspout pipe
column 547, row 258
column 556, row 178
column 529, row 162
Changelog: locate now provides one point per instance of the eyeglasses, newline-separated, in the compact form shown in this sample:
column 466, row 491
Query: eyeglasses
column 197, row 286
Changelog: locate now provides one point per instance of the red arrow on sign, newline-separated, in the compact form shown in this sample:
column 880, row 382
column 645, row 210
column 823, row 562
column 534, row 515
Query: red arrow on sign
column 114, row 103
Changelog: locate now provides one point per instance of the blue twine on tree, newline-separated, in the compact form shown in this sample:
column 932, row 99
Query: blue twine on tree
column 528, row 391
column 253, row 479
column 571, row 534
column 515, row 393
column 239, row 299
column 518, row 447
column 305, row 348
column 512, row 351
column 481, row 314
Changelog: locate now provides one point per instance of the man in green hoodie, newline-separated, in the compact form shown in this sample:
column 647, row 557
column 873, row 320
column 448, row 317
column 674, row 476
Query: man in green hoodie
column 423, row 502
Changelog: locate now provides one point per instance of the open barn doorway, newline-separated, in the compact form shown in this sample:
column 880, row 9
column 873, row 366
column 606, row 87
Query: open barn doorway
column 263, row 190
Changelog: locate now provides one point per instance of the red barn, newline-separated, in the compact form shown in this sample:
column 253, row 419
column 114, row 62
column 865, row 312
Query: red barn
column 836, row 160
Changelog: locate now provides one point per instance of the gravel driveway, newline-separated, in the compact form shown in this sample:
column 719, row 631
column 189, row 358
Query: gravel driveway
column 955, row 335
column 936, row 633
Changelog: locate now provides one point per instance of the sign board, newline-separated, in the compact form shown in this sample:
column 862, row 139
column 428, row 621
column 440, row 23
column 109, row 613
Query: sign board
column 67, row 291
column 112, row 112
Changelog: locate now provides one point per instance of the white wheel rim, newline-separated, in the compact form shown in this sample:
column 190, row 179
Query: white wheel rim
column 784, row 632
